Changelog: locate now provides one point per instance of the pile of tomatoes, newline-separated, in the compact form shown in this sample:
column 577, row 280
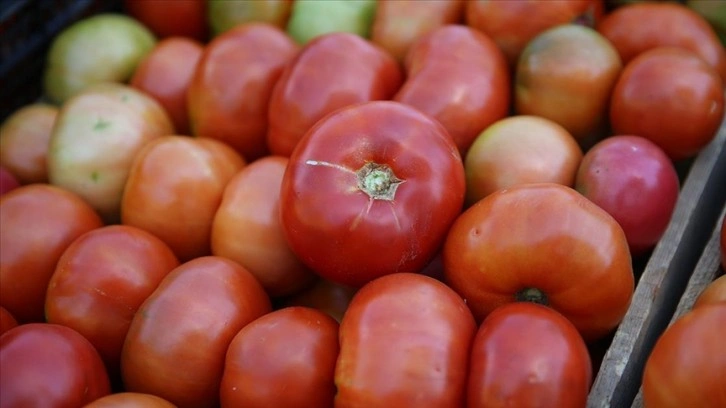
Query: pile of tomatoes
column 366, row 204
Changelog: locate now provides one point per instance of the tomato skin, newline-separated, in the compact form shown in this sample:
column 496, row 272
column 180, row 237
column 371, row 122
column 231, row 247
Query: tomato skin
column 247, row 228
column 332, row 71
column 676, row 373
column 636, row 28
column 713, row 293
column 49, row 365
column 130, row 399
column 8, row 181
column 404, row 342
column 528, row 355
column 176, row 344
column 7, row 321
column 186, row 18
column 457, row 75
column 33, row 236
column 224, row 15
column 174, row 189
column 548, row 237
column 349, row 235
column 285, row 358
column 231, row 88
column 24, row 137
column 670, row 96
column 101, row 280
column 329, row 297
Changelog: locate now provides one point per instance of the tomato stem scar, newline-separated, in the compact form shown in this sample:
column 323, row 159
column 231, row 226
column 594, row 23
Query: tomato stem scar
column 533, row 295
column 378, row 181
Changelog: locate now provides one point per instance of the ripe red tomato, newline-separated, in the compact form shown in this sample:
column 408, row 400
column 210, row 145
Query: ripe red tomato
column 713, row 293
column 460, row 77
column 670, row 96
column 174, row 189
column 247, row 228
column 404, row 342
column 38, row 221
column 176, row 344
column 171, row 18
column 49, row 365
column 687, row 365
column 101, row 280
column 232, row 86
column 545, row 243
column 371, row 190
column 24, row 137
column 332, row 71
column 7, row 321
column 528, row 355
column 130, row 399
column 285, row 358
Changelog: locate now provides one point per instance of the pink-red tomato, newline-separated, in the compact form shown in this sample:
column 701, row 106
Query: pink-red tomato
column 546, row 243
column 687, row 365
column 670, row 96
column 8, row 181
column 49, row 365
column 713, row 293
column 186, row 18
column 7, row 321
column 176, row 344
column 404, row 342
column 528, row 355
column 285, row 358
column 325, row 295
column 101, row 280
column 458, row 76
column 39, row 222
column 130, row 400
column 24, row 137
column 371, row 190
column 332, row 71
column 174, row 189
column 231, row 88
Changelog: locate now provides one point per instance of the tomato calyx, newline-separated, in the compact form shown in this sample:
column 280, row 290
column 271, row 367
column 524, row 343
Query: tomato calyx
column 378, row 181
column 533, row 295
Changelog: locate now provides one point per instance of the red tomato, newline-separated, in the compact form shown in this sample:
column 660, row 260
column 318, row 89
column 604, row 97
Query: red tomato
column 49, row 365
column 713, row 293
column 457, row 75
column 24, row 137
column 285, row 358
column 101, row 280
column 130, row 400
column 332, row 71
column 404, row 342
column 171, row 18
column 330, row 297
column 166, row 73
column 8, row 181
column 176, row 344
column 670, row 96
column 528, row 355
column 687, row 365
column 232, row 86
column 247, row 228
column 39, row 222
column 371, row 190
column 7, row 321
column 174, row 189
column 545, row 243
column 636, row 28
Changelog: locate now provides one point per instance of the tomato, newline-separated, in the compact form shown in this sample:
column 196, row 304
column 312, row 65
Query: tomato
column 329, row 297
column 636, row 28
column 49, row 365
column 333, row 71
column 528, row 355
column 232, row 86
column 24, row 137
column 101, row 280
column 174, row 189
column 224, row 15
column 421, row 17
column 8, row 181
column 520, row 149
column 7, row 321
column 311, row 19
column 371, row 190
column 457, row 75
column 247, row 229
column 39, row 222
column 566, row 74
column 671, row 97
column 130, row 399
column 404, row 342
column 285, row 358
column 177, row 341
column 713, row 293
column 166, row 72
column 546, row 243
column 687, row 365
column 186, row 18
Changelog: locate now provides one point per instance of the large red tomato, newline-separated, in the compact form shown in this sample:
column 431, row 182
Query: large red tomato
column 371, row 190
column 38, row 222
column 528, row 355
column 545, row 243
column 404, row 342
column 171, row 18
column 49, row 365
column 177, row 341
column 285, row 358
